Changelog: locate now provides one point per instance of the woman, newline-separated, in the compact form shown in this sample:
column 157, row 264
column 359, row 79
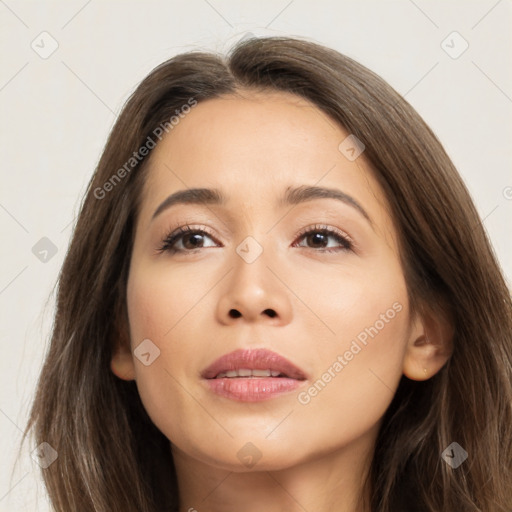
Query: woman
column 278, row 296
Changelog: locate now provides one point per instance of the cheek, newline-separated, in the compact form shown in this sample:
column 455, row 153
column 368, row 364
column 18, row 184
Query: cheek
column 158, row 300
column 174, row 310
column 161, row 308
column 360, row 364
column 344, row 302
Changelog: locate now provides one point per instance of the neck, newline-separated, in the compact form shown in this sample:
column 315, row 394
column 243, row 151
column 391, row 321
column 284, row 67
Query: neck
column 332, row 481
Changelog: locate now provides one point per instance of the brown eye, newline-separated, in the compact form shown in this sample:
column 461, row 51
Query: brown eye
column 317, row 240
column 325, row 239
column 186, row 239
column 193, row 241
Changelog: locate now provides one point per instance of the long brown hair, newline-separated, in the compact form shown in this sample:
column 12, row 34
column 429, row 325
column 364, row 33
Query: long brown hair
column 110, row 455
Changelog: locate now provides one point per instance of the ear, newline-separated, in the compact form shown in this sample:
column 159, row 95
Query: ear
column 121, row 362
column 430, row 345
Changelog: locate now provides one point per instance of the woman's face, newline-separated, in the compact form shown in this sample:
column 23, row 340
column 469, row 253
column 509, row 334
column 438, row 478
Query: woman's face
column 309, row 274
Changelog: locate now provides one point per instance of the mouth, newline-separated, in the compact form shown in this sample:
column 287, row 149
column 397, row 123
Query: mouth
column 248, row 373
column 259, row 363
column 252, row 375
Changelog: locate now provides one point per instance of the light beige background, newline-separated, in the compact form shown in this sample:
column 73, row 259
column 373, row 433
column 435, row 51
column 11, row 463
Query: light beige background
column 56, row 112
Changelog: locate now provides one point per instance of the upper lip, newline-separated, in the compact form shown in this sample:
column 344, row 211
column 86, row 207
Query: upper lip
column 256, row 359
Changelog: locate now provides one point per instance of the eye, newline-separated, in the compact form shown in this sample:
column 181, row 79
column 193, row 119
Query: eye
column 186, row 239
column 325, row 239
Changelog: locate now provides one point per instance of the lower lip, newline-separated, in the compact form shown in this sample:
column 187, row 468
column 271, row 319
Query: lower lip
column 246, row 389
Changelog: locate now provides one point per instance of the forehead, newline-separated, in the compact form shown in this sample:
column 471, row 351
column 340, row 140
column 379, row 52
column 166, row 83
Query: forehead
column 255, row 128
column 253, row 146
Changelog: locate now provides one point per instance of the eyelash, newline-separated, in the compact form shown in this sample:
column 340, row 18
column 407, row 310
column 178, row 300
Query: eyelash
column 170, row 239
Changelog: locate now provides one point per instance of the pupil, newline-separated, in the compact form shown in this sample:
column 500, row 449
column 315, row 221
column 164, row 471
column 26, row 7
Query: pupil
column 317, row 238
column 196, row 240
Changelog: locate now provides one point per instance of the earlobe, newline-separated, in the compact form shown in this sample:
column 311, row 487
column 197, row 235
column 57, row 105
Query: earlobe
column 429, row 348
column 122, row 365
column 121, row 362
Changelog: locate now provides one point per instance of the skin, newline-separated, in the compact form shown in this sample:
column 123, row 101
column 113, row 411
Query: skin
column 313, row 456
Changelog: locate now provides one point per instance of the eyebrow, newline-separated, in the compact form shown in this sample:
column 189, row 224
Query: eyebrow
column 292, row 196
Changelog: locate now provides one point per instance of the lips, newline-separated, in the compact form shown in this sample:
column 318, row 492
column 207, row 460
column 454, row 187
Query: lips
column 252, row 376
column 259, row 363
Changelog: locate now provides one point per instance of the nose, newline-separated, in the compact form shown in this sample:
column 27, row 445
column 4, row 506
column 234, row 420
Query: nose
column 253, row 293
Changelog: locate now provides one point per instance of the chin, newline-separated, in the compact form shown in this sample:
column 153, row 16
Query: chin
column 245, row 454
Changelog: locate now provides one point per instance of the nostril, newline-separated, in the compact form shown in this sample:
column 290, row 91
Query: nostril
column 234, row 313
